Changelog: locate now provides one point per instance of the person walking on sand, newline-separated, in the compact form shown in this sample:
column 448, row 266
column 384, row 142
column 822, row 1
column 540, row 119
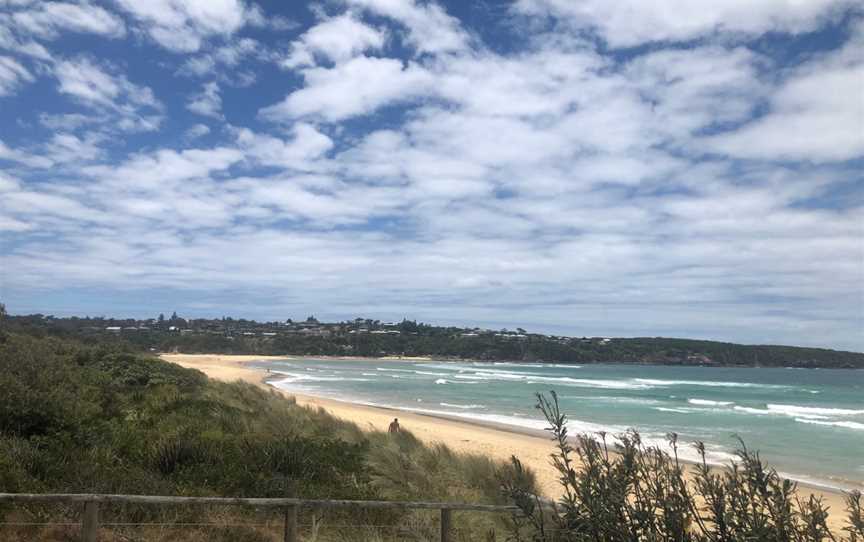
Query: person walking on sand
column 394, row 426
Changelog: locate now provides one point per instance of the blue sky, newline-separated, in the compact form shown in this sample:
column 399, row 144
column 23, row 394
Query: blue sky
column 628, row 168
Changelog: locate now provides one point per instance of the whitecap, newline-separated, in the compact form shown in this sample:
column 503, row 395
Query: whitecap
column 709, row 383
column 706, row 402
column 845, row 424
column 796, row 410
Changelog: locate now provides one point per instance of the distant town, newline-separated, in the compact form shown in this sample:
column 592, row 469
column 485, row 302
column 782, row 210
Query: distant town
column 374, row 338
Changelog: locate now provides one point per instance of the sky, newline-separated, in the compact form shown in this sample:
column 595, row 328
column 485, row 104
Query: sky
column 667, row 168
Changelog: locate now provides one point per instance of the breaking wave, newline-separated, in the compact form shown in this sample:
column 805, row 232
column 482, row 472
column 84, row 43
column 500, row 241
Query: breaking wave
column 706, row 402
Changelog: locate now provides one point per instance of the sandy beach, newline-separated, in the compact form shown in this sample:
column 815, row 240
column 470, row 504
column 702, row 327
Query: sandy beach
column 498, row 443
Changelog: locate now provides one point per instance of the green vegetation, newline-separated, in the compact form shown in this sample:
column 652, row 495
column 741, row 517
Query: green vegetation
column 101, row 419
column 642, row 493
column 77, row 418
column 363, row 337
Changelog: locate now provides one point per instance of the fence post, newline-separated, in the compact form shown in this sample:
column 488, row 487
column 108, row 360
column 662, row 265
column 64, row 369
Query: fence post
column 445, row 525
column 291, row 524
column 90, row 524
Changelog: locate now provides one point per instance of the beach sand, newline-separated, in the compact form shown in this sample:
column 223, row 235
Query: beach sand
column 495, row 442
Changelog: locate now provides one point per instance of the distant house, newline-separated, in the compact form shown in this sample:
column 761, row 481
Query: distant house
column 113, row 329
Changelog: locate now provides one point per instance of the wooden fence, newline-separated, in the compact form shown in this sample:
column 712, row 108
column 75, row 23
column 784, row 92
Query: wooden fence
column 290, row 506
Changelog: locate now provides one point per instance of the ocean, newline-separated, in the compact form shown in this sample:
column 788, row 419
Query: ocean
column 806, row 423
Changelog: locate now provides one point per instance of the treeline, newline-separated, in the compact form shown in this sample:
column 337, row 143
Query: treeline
column 417, row 339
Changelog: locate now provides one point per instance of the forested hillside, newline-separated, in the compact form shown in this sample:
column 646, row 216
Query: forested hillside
column 364, row 337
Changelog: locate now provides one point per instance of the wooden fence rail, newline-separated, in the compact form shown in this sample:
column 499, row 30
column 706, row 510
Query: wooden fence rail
column 291, row 506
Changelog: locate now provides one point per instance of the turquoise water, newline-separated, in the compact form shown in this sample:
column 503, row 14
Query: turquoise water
column 808, row 424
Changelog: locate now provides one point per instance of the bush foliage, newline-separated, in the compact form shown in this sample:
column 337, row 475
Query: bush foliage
column 641, row 493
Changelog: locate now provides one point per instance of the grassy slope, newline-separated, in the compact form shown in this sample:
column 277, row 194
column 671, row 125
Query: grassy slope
column 79, row 418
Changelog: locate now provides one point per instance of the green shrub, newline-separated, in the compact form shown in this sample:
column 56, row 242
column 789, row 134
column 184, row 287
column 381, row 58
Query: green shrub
column 642, row 493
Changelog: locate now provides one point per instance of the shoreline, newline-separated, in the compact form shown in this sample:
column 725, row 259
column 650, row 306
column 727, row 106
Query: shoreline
column 495, row 440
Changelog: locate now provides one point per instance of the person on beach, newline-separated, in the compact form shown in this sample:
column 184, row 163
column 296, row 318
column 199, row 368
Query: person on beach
column 394, row 426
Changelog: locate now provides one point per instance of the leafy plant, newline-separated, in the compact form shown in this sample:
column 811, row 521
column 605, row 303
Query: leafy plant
column 631, row 492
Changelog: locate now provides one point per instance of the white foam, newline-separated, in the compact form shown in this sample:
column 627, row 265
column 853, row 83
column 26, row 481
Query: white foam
column 751, row 410
column 709, row 383
column 466, row 407
column 706, row 402
column 441, row 381
column 795, row 410
column 294, row 378
column 428, row 373
column 527, row 423
column 593, row 383
column 676, row 410
column 558, row 380
column 845, row 424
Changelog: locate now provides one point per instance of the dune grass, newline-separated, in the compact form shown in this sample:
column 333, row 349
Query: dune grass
column 90, row 419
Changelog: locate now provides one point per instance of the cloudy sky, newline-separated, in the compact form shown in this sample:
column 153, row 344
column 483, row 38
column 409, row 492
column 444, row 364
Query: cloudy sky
column 675, row 167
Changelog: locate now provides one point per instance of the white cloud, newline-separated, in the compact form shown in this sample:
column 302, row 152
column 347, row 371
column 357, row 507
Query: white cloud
column 219, row 61
column 182, row 25
column 255, row 16
column 817, row 114
column 336, row 39
column 12, row 75
column 133, row 107
column 49, row 19
column 695, row 88
column 67, row 148
column 557, row 184
column 356, row 87
column 196, row 131
column 24, row 158
column 208, row 102
column 26, row 46
column 627, row 23
column 430, row 28
column 149, row 171
column 307, row 145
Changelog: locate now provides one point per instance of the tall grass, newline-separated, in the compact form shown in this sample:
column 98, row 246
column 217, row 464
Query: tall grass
column 77, row 418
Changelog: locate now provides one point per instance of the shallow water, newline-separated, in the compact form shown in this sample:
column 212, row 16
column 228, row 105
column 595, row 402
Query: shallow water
column 808, row 424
